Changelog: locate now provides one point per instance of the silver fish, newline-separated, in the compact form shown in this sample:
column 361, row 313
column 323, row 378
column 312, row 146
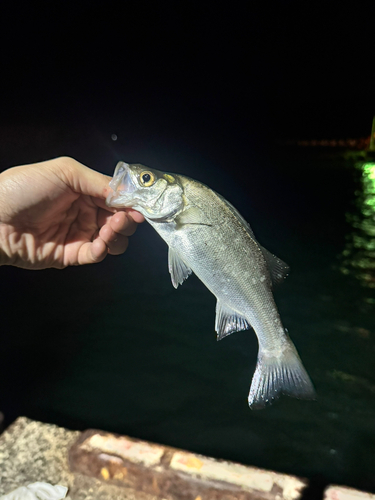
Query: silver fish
column 207, row 235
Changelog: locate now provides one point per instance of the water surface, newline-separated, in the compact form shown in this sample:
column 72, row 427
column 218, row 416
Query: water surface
column 116, row 347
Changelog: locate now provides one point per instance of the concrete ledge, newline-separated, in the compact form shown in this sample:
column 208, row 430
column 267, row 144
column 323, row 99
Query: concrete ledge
column 96, row 465
column 33, row 451
column 341, row 493
column 175, row 474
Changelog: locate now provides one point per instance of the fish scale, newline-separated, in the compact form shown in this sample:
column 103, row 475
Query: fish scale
column 227, row 269
column 207, row 235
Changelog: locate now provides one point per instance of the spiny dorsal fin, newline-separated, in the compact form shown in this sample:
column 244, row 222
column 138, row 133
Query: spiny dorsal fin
column 228, row 321
column 178, row 269
column 277, row 268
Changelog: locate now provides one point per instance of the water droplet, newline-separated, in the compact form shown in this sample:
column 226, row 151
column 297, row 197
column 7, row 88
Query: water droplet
column 114, row 137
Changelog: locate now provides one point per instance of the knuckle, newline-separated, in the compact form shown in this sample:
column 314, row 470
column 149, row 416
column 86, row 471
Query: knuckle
column 67, row 169
column 66, row 161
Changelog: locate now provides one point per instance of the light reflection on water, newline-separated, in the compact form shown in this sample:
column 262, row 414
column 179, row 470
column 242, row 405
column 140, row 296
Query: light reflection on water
column 358, row 256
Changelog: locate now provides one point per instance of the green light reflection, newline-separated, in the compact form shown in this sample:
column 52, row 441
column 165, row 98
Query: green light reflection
column 358, row 257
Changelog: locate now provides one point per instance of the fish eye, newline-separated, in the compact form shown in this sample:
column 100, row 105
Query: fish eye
column 147, row 179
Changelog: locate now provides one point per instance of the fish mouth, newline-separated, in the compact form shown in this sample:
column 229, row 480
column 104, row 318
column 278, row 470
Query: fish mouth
column 122, row 187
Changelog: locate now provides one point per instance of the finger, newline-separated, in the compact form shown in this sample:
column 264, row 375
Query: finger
column 118, row 246
column 116, row 243
column 123, row 223
column 80, row 178
column 136, row 216
column 92, row 252
column 102, row 204
column 104, row 217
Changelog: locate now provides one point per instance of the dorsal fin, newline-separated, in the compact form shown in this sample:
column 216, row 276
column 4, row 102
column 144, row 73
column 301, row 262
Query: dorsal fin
column 278, row 269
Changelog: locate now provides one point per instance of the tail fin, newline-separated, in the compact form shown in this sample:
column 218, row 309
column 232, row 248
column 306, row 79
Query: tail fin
column 279, row 374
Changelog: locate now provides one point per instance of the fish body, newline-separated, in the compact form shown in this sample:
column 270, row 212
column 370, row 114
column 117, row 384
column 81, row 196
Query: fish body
column 208, row 236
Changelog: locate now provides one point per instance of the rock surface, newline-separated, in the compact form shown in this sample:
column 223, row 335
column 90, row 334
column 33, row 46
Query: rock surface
column 32, row 451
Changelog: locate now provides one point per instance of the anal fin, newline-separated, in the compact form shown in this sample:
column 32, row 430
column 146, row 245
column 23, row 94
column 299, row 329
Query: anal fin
column 228, row 321
column 178, row 269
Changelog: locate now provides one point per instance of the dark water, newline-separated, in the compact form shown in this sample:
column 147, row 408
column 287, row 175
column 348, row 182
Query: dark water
column 115, row 347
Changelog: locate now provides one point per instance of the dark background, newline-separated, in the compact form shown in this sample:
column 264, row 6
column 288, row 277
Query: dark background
column 236, row 74
column 209, row 91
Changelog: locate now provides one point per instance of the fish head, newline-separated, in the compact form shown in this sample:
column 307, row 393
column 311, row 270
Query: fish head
column 155, row 194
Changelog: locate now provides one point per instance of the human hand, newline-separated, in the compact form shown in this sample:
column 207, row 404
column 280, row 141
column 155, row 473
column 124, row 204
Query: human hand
column 53, row 214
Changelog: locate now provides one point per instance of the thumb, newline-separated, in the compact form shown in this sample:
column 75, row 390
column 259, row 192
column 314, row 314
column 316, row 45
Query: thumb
column 82, row 179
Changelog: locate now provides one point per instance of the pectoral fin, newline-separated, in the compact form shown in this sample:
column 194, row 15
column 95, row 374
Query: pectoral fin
column 178, row 269
column 228, row 321
column 192, row 215
column 277, row 268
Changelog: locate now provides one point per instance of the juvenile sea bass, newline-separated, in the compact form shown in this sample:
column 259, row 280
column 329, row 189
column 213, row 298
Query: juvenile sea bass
column 207, row 235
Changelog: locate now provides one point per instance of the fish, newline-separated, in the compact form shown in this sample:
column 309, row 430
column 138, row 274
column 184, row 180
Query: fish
column 208, row 236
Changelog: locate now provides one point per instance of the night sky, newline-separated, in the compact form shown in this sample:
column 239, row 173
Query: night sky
column 239, row 74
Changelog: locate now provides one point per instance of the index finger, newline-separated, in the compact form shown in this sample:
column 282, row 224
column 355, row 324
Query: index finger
column 123, row 223
column 136, row 216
